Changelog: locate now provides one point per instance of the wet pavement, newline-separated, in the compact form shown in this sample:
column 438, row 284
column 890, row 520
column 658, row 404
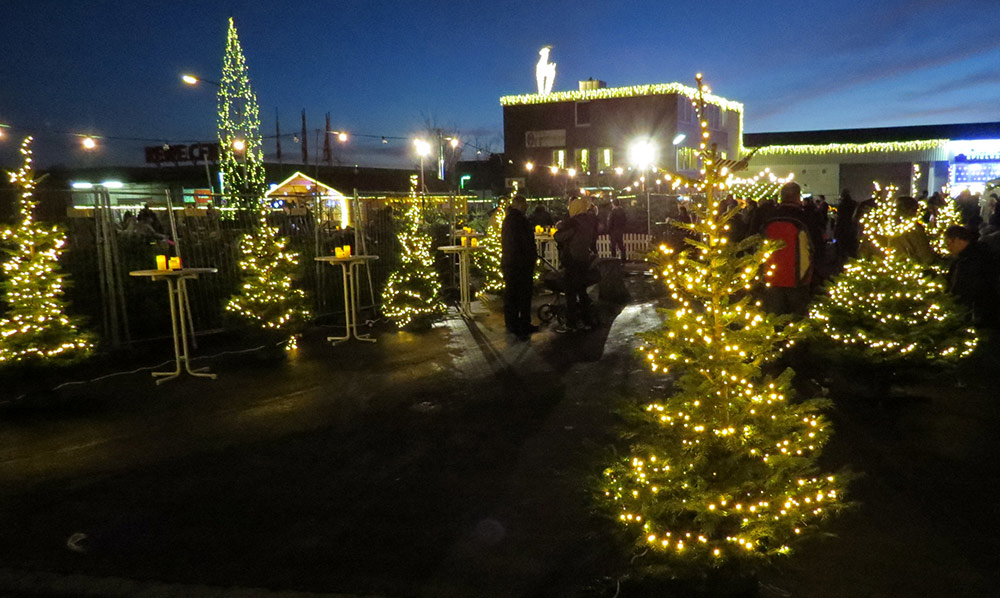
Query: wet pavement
column 454, row 462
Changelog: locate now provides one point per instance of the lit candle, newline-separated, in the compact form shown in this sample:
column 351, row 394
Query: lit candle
column 347, row 251
column 475, row 242
column 465, row 241
column 161, row 262
column 338, row 252
column 175, row 263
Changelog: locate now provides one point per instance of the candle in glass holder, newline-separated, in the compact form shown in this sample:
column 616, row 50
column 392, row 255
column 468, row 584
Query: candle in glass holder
column 539, row 229
column 475, row 242
column 465, row 241
column 161, row 262
column 175, row 263
column 552, row 231
column 347, row 251
column 338, row 252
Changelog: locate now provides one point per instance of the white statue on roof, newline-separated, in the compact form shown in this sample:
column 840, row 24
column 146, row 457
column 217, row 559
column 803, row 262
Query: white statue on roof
column 545, row 72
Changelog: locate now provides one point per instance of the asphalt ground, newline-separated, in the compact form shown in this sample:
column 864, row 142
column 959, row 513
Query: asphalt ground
column 454, row 462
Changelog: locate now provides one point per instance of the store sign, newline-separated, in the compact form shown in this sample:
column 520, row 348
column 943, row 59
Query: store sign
column 547, row 138
column 194, row 153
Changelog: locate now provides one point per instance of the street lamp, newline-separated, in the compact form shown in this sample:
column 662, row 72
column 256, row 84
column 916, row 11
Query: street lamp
column 192, row 80
column 642, row 154
column 423, row 150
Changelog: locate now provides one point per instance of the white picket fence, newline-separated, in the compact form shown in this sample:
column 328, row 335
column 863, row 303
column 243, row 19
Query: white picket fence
column 636, row 248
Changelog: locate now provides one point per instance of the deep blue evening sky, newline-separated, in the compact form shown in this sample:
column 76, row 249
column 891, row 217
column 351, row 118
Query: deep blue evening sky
column 387, row 68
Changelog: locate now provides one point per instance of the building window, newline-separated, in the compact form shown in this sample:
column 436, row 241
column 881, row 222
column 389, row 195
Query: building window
column 559, row 158
column 685, row 111
column 687, row 158
column 583, row 114
column 712, row 116
column 604, row 156
column 581, row 158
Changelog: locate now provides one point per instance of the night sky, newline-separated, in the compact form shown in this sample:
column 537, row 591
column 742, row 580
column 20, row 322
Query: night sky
column 391, row 68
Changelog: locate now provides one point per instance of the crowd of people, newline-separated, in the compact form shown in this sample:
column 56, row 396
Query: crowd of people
column 817, row 241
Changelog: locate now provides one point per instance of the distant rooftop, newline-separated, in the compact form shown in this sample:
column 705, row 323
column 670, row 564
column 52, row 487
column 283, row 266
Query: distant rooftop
column 876, row 135
column 604, row 93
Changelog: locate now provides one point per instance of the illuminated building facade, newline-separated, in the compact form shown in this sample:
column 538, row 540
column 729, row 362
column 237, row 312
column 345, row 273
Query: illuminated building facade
column 568, row 139
column 915, row 159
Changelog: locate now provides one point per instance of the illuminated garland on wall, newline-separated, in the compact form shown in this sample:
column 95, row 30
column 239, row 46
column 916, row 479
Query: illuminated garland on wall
column 413, row 291
column 267, row 299
column 726, row 467
column 886, row 307
column 606, row 93
column 35, row 327
column 853, row 148
column 239, row 125
column 763, row 185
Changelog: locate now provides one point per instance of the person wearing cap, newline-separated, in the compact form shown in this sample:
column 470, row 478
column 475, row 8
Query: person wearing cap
column 577, row 240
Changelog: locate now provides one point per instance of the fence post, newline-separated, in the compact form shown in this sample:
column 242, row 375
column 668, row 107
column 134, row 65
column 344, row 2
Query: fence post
column 109, row 270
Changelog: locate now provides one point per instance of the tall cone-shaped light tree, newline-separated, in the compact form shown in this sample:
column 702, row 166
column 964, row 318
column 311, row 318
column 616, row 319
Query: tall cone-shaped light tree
column 724, row 468
column 413, row 291
column 35, row 327
column 886, row 308
column 267, row 299
column 241, row 149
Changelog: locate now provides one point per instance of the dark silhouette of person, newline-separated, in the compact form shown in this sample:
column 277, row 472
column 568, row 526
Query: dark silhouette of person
column 972, row 276
column 577, row 237
column 617, row 220
column 518, row 267
column 541, row 217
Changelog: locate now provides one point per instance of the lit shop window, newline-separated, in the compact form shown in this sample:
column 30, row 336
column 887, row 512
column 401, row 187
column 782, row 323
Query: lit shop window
column 559, row 158
column 687, row 158
column 605, row 155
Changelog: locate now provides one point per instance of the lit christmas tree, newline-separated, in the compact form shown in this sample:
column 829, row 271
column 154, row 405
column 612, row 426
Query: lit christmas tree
column 241, row 149
column 725, row 467
column 887, row 308
column 413, row 290
column 946, row 215
column 487, row 261
column 36, row 327
column 267, row 300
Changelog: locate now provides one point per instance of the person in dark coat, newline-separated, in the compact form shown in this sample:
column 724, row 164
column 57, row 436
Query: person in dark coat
column 518, row 266
column 577, row 238
column 616, row 228
column 541, row 217
column 845, row 229
column 972, row 277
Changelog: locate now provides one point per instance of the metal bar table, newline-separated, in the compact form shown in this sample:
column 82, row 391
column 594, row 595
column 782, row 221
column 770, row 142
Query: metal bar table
column 180, row 314
column 543, row 239
column 465, row 296
column 348, row 266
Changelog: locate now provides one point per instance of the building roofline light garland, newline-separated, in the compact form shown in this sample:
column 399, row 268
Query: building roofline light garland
column 606, row 93
column 854, row 148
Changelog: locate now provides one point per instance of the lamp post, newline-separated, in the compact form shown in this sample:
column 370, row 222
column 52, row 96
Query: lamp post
column 642, row 154
column 192, row 80
column 423, row 150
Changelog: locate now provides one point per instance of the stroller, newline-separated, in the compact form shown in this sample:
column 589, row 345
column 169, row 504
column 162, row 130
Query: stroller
column 555, row 281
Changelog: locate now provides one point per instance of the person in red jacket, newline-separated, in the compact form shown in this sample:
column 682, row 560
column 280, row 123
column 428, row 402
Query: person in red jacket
column 792, row 265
